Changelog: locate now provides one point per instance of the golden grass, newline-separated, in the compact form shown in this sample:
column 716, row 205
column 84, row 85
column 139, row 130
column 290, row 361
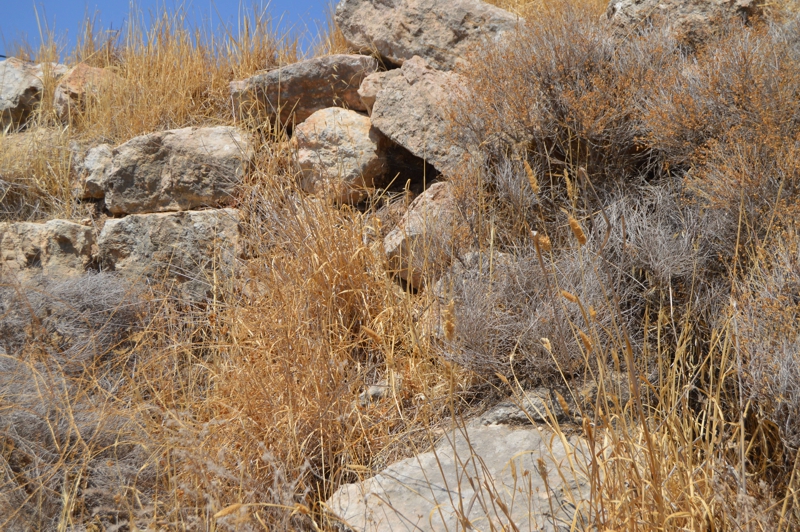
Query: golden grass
column 247, row 409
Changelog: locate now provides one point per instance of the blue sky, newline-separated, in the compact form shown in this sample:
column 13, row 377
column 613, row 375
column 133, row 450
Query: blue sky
column 18, row 17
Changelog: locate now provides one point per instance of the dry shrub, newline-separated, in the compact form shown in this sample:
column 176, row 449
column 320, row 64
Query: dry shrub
column 767, row 324
column 565, row 93
column 640, row 252
column 689, row 183
column 82, row 319
column 727, row 122
column 740, row 89
column 69, row 457
column 71, row 453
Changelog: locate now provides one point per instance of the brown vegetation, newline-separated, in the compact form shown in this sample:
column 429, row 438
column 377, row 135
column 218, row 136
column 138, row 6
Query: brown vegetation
column 636, row 205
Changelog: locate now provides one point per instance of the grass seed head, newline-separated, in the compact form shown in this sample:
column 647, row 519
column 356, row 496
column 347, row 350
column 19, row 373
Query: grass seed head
column 449, row 321
column 569, row 296
column 577, row 230
column 534, row 182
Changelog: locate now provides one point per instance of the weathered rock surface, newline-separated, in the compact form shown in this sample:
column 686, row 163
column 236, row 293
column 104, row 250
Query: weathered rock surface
column 441, row 31
column 692, row 20
column 410, row 110
column 176, row 170
column 463, row 478
column 424, row 237
column 303, row 88
column 532, row 406
column 372, row 85
column 55, row 248
column 92, row 172
column 21, row 88
column 185, row 247
column 340, row 154
column 76, row 85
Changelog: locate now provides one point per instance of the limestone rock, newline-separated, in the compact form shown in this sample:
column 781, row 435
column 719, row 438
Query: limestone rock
column 692, row 20
column 92, row 172
column 428, row 492
column 531, row 407
column 303, row 88
column 56, row 248
column 440, row 31
column 76, row 85
column 21, row 89
column 372, row 85
column 410, row 110
column 185, row 247
column 175, row 170
column 422, row 241
column 340, row 154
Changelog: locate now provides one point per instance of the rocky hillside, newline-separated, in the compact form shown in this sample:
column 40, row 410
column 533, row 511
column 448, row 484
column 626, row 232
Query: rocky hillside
column 466, row 266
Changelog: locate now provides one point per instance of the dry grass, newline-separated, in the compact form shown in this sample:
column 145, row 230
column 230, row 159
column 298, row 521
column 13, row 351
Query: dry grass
column 658, row 293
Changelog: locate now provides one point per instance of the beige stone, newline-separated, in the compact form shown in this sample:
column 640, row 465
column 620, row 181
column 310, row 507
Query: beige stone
column 411, row 109
column 440, row 31
column 693, row 21
column 175, row 170
column 471, row 472
column 92, row 172
column 21, row 86
column 372, row 85
column 340, row 154
column 187, row 248
column 77, row 84
column 294, row 92
column 55, row 248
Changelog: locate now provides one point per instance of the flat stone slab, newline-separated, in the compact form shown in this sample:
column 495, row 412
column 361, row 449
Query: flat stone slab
column 480, row 476
column 298, row 90
column 176, row 170
column 55, row 248
column 185, row 247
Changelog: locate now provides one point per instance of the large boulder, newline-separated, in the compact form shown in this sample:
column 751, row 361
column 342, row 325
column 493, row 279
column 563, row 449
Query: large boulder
column 21, row 86
column 176, row 170
column 188, row 248
column 420, row 248
column 340, row 154
column 486, row 476
column 300, row 89
column 441, row 31
column 410, row 108
column 692, row 20
column 77, row 84
column 57, row 248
